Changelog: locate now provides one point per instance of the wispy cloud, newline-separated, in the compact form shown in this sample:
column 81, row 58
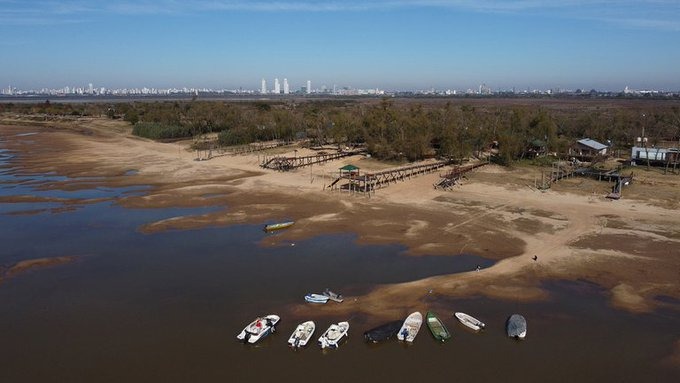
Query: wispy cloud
column 638, row 23
column 643, row 14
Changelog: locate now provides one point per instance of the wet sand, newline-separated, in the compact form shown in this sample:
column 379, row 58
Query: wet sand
column 33, row 264
column 626, row 246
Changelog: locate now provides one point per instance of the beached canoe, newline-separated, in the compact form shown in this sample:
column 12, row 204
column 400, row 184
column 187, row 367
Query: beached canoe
column 516, row 326
column 333, row 296
column 302, row 334
column 411, row 326
column 383, row 332
column 439, row 331
column 470, row 321
column 258, row 329
column 316, row 298
column 335, row 333
column 278, row 226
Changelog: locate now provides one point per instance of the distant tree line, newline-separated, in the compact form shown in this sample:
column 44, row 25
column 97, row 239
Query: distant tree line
column 393, row 129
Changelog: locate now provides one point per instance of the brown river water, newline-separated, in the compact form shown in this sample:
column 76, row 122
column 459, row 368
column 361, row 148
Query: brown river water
column 166, row 307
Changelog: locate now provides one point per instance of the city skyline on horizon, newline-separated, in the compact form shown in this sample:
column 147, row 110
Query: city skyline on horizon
column 394, row 45
column 91, row 90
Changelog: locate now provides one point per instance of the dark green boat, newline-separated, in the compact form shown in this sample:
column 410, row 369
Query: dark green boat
column 437, row 328
column 278, row 226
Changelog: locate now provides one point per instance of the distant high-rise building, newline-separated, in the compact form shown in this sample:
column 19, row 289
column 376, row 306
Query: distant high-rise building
column 263, row 89
column 286, row 89
column 277, row 86
column 90, row 88
column 309, row 86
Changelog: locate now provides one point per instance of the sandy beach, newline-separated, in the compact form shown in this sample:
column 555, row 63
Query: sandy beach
column 628, row 246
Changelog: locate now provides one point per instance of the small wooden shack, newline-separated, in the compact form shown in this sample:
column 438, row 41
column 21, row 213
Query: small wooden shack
column 587, row 147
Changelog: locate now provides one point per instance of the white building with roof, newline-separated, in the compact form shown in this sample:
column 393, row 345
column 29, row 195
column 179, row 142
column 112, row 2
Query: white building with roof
column 588, row 147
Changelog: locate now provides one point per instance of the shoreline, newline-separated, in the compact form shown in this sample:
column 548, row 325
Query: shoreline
column 575, row 235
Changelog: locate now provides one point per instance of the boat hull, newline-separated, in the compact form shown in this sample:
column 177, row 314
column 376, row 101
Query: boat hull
column 316, row 298
column 278, row 226
column 383, row 332
column 437, row 328
column 333, row 296
column 335, row 333
column 259, row 329
column 516, row 326
column 302, row 334
column 470, row 321
column 410, row 328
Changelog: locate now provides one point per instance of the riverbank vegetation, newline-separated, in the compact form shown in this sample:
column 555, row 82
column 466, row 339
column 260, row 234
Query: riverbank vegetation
column 395, row 129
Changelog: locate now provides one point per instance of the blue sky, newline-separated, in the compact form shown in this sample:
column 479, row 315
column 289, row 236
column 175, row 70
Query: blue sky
column 390, row 44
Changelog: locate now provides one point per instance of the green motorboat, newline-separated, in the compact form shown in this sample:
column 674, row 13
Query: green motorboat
column 437, row 328
column 278, row 226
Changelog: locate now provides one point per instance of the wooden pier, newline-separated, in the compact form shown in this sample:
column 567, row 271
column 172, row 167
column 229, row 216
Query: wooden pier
column 610, row 176
column 210, row 149
column 369, row 182
column 290, row 163
column 621, row 181
column 449, row 179
column 558, row 171
column 561, row 170
column 256, row 147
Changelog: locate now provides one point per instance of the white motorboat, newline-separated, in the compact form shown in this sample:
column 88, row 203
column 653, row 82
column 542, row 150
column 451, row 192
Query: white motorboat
column 470, row 321
column 316, row 298
column 332, row 337
column 258, row 329
column 411, row 326
column 302, row 334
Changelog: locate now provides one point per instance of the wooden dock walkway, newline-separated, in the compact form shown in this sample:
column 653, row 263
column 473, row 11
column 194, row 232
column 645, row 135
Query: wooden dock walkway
column 256, row 147
column 369, row 182
column 211, row 150
column 290, row 163
column 561, row 170
column 449, row 179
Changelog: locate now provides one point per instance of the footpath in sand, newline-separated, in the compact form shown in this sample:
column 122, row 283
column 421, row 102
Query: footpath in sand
column 630, row 246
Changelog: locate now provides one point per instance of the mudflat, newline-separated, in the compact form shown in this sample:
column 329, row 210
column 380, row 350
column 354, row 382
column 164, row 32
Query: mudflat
column 628, row 246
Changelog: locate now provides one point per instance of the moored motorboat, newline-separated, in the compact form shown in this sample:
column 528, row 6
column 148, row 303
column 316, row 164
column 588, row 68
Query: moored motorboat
column 333, row 296
column 470, row 321
column 259, row 328
column 316, row 298
column 335, row 333
column 302, row 334
column 383, row 332
column 516, row 326
column 411, row 326
column 439, row 331
column 278, row 226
